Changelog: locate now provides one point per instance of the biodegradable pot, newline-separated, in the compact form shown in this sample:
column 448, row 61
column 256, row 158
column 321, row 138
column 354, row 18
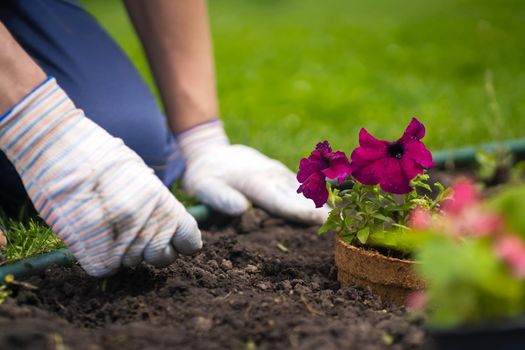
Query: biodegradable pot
column 390, row 278
column 507, row 335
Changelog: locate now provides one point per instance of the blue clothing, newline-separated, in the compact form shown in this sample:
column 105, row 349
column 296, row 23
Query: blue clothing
column 69, row 44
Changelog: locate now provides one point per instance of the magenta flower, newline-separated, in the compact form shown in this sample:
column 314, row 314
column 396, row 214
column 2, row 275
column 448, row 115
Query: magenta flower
column 321, row 164
column 392, row 165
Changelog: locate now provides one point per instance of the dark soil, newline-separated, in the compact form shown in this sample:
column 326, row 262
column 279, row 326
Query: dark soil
column 240, row 292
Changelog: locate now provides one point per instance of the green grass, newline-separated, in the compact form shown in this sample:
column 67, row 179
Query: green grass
column 294, row 72
column 26, row 236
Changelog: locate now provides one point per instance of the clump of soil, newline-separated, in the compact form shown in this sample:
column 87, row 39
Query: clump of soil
column 259, row 282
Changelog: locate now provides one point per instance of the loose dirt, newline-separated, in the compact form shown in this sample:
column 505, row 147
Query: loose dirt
column 258, row 283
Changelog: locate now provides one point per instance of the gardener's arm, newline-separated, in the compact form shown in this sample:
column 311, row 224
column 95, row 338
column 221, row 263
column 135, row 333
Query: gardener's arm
column 177, row 41
column 97, row 194
column 176, row 37
column 19, row 74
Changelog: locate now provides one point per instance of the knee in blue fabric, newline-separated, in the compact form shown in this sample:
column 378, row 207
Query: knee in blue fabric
column 70, row 45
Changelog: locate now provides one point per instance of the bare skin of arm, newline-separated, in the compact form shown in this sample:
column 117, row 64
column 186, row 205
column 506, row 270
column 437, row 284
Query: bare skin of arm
column 176, row 38
column 20, row 74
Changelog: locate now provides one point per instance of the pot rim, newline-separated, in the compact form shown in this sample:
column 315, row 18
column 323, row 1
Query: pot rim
column 373, row 253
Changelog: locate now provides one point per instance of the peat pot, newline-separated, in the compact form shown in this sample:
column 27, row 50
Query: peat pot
column 390, row 278
column 509, row 335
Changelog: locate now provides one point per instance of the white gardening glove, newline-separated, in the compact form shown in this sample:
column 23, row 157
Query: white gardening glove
column 96, row 193
column 227, row 177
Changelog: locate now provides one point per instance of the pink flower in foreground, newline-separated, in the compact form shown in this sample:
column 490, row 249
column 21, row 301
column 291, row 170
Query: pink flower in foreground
column 465, row 195
column 466, row 214
column 416, row 300
column 392, row 165
column 483, row 223
column 420, row 219
column 511, row 249
column 321, row 164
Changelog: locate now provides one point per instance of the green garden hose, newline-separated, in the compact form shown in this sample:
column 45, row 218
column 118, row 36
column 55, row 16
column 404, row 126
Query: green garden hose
column 466, row 155
column 63, row 257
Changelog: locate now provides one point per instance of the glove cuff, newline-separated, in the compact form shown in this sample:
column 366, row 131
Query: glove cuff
column 26, row 100
column 201, row 137
column 26, row 124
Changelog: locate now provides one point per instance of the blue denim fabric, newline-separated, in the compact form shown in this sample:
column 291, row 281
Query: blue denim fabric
column 69, row 44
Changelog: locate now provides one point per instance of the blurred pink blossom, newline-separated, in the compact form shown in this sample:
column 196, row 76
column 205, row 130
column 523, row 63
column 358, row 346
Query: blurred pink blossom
column 420, row 219
column 465, row 195
column 511, row 249
column 416, row 300
column 481, row 222
column 466, row 214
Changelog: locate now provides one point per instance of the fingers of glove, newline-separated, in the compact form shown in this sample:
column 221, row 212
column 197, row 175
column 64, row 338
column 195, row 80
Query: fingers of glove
column 220, row 196
column 163, row 258
column 187, row 238
column 303, row 210
column 132, row 199
column 159, row 251
column 276, row 191
column 76, row 218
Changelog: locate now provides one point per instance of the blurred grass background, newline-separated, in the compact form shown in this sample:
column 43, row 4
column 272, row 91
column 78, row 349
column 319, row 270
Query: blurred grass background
column 294, row 72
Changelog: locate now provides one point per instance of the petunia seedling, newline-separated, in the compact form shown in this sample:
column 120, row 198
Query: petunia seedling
column 380, row 184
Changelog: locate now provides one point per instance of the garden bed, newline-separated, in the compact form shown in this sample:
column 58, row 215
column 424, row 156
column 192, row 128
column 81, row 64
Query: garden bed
column 242, row 291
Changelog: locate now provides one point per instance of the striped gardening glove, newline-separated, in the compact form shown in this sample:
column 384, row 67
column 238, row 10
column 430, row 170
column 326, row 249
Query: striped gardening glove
column 96, row 193
column 227, row 177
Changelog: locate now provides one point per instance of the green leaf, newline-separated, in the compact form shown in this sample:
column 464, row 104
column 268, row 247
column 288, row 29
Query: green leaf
column 403, row 227
column 282, row 248
column 382, row 217
column 439, row 186
column 510, row 203
column 333, row 195
column 332, row 222
column 387, row 339
column 362, row 234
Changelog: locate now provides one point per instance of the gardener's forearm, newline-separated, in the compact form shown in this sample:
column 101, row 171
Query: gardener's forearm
column 176, row 37
column 18, row 73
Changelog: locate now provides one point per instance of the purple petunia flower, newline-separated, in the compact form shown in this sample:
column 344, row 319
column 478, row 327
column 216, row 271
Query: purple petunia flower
column 392, row 165
column 321, row 164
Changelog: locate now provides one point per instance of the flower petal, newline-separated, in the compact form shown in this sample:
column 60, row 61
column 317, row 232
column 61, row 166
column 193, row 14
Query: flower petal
column 368, row 141
column 309, row 166
column 411, row 168
column 414, row 131
column 368, row 173
column 324, row 149
column 418, row 152
column 366, row 155
column 339, row 167
column 393, row 178
column 420, row 219
column 314, row 187
column 511, row 249
column 465, row 195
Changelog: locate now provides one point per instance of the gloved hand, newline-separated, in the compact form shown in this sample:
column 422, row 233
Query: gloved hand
column 97, row 194
column 226, row 176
